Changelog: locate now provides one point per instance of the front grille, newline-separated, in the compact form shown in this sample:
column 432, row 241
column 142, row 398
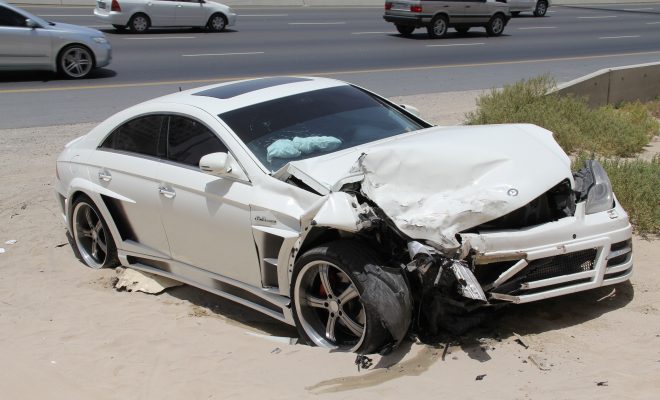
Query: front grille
column 565, row 264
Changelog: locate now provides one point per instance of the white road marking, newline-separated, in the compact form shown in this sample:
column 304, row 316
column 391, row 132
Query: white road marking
column 653, row 23
column 159, row 38
column 599, row 17
column 538, row 27
column 372, row 33
column 66, row 15
column 99, row 26
column 619, row 37
column 638, row 9
column 222, row 54
column 317, row 23
column 262, row 15
column 454, row 44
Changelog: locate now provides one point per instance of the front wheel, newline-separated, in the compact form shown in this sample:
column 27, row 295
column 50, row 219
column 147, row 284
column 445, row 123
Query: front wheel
column 91, row 235
column 75, row 62
column 438, row 27
column 496, row 25
column 541, row 9
column 405, row 30
column 343, row 299
column 217, row 23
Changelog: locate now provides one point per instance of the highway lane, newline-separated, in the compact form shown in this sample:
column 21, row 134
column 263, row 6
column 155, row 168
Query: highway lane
column 353, row 44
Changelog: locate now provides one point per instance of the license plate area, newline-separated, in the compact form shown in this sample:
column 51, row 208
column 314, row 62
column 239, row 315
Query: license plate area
column 400, row 7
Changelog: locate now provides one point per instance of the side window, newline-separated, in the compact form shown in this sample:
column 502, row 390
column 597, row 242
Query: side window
column 188, row 141
column 10, row 18
column 140, row 135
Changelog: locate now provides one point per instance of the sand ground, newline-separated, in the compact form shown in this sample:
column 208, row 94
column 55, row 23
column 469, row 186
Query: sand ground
column 65, row 333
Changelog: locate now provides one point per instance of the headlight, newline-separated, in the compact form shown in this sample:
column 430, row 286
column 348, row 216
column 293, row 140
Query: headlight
column 600, row 197
column 100, row 40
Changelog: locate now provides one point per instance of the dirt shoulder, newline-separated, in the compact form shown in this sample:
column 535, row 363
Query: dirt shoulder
column 66, row 334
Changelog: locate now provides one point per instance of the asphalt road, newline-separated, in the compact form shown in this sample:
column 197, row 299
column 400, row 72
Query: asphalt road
column 352, row 44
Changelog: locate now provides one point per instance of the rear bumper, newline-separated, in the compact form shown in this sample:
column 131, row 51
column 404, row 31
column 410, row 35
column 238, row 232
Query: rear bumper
column 416, row 20
column 111, row 17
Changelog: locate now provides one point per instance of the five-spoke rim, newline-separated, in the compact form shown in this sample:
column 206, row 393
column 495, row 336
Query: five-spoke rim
column 77, row 62
column 89, row 235
column 439, row 27
column 540, row 8
column 218, row 23
column 498, row 25
column 329, row 307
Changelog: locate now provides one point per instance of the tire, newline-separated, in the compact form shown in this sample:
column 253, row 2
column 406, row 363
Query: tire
column 92, row 238
column 515, row 13
column 139, row 23
column 462, row 29
column 541, row 8
column 343, row 299
column 405, row 30
column 120, row 28
column 217, row 23
column 75, row 62
column 438, row 27
column 496, row 25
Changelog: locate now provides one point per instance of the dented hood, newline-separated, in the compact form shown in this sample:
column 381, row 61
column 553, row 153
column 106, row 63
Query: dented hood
column 439, row 181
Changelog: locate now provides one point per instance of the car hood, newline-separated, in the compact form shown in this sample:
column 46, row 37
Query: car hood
column 69, row 28
column 440, row 181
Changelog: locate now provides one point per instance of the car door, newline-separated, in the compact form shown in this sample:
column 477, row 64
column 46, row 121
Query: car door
column 22, row 46
column 455, row 9
column 190, row 13
column 207, row 218
column 126, row 163
column 476, row 11
column 161, row 12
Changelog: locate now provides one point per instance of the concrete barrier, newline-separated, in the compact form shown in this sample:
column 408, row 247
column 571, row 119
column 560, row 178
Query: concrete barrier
column 616, row 85
column 311, row 3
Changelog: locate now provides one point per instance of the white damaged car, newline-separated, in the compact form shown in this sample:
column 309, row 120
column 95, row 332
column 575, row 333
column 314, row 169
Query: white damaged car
column 329, row 208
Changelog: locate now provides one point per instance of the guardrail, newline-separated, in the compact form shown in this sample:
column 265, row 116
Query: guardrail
column 615, row 85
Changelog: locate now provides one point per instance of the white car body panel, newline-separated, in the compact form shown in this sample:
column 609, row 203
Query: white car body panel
column 524, row 5
column 163, row 13
column 239, row 235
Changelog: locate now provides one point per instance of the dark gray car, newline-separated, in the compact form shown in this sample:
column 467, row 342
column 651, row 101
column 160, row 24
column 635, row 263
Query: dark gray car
column 439, row 15
column 28, row 42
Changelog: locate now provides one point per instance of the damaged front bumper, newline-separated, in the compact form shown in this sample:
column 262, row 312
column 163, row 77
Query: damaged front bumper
column 566, row 256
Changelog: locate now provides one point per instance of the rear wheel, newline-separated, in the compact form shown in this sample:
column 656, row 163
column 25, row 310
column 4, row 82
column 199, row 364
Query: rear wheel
column 139, row 23
column 91, row 235
column 541, row 8
column 75, row 62
column 405, row 30
column 343, row 299
column 496, row 25
column 438, row 27
column 217, row 23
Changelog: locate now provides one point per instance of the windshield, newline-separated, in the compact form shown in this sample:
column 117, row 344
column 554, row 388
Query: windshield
column 313, row 123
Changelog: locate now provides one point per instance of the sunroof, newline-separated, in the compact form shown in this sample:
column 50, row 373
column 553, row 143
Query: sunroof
column 239, row 88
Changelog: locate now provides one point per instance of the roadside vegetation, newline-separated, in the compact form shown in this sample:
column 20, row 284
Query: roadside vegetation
column 614, row 135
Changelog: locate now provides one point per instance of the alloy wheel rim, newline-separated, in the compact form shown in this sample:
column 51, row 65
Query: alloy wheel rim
column 329, row 307
column 498, row 25
column 218, row 23
column 90, row 236
column 541, row 8
column 140, row 24
column 439, row 27
column 76, row 62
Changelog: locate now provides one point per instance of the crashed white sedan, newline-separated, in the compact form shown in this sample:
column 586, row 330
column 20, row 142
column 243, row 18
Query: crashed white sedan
column 329, row 208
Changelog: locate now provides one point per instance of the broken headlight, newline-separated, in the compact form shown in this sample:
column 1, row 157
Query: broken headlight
column 600, row 196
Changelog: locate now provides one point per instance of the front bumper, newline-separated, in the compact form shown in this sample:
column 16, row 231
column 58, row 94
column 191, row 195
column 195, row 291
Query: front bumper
column 102, row 54
column 231, row 19
column 553, row 259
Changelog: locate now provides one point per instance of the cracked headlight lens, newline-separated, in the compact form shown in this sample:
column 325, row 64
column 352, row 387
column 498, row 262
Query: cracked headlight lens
column 600, row 197
column 100, row 40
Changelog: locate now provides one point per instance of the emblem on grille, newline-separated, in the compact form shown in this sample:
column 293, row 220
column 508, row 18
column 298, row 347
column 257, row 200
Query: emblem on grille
column 512, row 192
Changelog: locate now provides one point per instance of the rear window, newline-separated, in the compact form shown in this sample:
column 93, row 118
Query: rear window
column 315, row 123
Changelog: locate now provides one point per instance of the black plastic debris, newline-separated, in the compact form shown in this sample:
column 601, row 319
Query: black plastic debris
column 480, row 377
column 363, row 362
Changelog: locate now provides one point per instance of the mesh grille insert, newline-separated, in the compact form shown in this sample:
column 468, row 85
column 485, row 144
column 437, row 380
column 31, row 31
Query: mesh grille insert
column 565, row 264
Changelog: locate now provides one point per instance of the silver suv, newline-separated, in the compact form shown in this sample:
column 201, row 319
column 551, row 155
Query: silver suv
column 439, row 15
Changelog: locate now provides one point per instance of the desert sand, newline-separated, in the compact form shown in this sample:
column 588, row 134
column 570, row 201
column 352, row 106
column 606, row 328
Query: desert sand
column 66, row 333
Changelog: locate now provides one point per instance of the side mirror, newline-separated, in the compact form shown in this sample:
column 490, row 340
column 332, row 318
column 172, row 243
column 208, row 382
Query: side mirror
column 31, row 24
column 413, row 110
column 223, row 165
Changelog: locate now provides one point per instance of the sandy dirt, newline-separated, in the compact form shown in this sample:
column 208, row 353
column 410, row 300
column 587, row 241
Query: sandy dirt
column 65, row 333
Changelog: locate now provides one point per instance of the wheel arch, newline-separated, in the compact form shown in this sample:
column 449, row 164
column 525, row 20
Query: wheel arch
column 441, row 14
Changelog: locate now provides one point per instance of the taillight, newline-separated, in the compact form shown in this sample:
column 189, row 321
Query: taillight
column 416, row 8
column 388, row 5
column 115, row 6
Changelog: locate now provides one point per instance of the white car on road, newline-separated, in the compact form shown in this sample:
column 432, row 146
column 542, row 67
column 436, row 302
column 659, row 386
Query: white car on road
column 140, row 15
column 329, row 208
column 537, row 7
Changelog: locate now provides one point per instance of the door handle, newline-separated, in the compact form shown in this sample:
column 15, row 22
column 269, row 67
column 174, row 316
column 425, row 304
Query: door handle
column 105, row 176
column 169, row 193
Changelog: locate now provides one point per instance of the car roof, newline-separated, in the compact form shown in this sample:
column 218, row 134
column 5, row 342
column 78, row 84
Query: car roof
column 220, row 98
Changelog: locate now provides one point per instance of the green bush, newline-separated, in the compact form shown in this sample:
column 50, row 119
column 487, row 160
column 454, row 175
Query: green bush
column 606, row 131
